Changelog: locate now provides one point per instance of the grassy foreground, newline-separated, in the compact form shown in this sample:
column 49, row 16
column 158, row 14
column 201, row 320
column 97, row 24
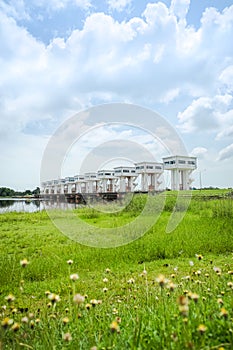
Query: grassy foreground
column 162, row 291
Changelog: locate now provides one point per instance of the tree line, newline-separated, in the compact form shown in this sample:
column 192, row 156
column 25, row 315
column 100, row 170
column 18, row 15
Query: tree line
column 9, row 192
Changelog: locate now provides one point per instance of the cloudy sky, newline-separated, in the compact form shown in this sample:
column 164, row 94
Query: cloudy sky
column 60, row 57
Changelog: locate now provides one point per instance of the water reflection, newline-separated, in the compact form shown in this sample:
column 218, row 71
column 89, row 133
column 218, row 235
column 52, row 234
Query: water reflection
column 6, row 203
column 30, row 206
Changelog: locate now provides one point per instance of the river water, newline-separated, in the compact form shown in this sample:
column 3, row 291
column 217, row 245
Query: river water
column 31, row 205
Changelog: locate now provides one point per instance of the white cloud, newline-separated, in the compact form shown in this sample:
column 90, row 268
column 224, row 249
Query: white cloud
column 157, row 14
column 20, row 10
column 213, row 18
column 226, row 153
column 119, row 5
column 180, row 8
column 170, row 95
column 222, row 102
column 199, row 152
column 110, row 142
column 226, row 125
column 207, row 113
column 217, row 26
column 54, row 5
column 152, row 60
column 16, row 9
column 85, row 4
column 199, row 116
column 225, row 133
column 226, row 78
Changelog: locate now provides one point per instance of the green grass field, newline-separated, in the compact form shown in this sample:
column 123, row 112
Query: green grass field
column 161, row 291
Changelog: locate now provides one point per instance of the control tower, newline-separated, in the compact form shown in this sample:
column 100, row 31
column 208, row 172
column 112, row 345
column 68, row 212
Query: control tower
column 125, row 177
column 150, row 173
column 181, row 168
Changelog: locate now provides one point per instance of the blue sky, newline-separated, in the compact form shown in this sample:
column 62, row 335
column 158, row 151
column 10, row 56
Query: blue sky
column 45, row 21
column 59, row 57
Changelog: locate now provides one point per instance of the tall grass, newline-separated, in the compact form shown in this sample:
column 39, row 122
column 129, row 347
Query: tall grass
column 188, row 307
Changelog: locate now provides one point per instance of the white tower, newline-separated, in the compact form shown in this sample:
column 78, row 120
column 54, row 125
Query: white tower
column 91, row 182
column 181, row 168
column 49, row 186
column 106, row 181
column 70, row 184
column 126, row 176
column 44, row 188
column 61, row 186
column 80, row 183
column 150, row 173
column 55, row 186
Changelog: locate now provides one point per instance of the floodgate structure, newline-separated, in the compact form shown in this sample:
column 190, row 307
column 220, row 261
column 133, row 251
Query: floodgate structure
column 111, row 183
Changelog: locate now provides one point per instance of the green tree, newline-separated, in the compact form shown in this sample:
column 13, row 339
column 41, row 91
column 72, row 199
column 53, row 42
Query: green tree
column 36, row 192
column 6, row 192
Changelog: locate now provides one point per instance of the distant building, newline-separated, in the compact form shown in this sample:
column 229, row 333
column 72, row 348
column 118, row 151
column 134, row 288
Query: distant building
column 144, row 176
column 181, row 168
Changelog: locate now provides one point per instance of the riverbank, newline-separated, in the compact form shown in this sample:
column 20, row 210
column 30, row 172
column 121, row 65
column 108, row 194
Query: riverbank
column 20, row 198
